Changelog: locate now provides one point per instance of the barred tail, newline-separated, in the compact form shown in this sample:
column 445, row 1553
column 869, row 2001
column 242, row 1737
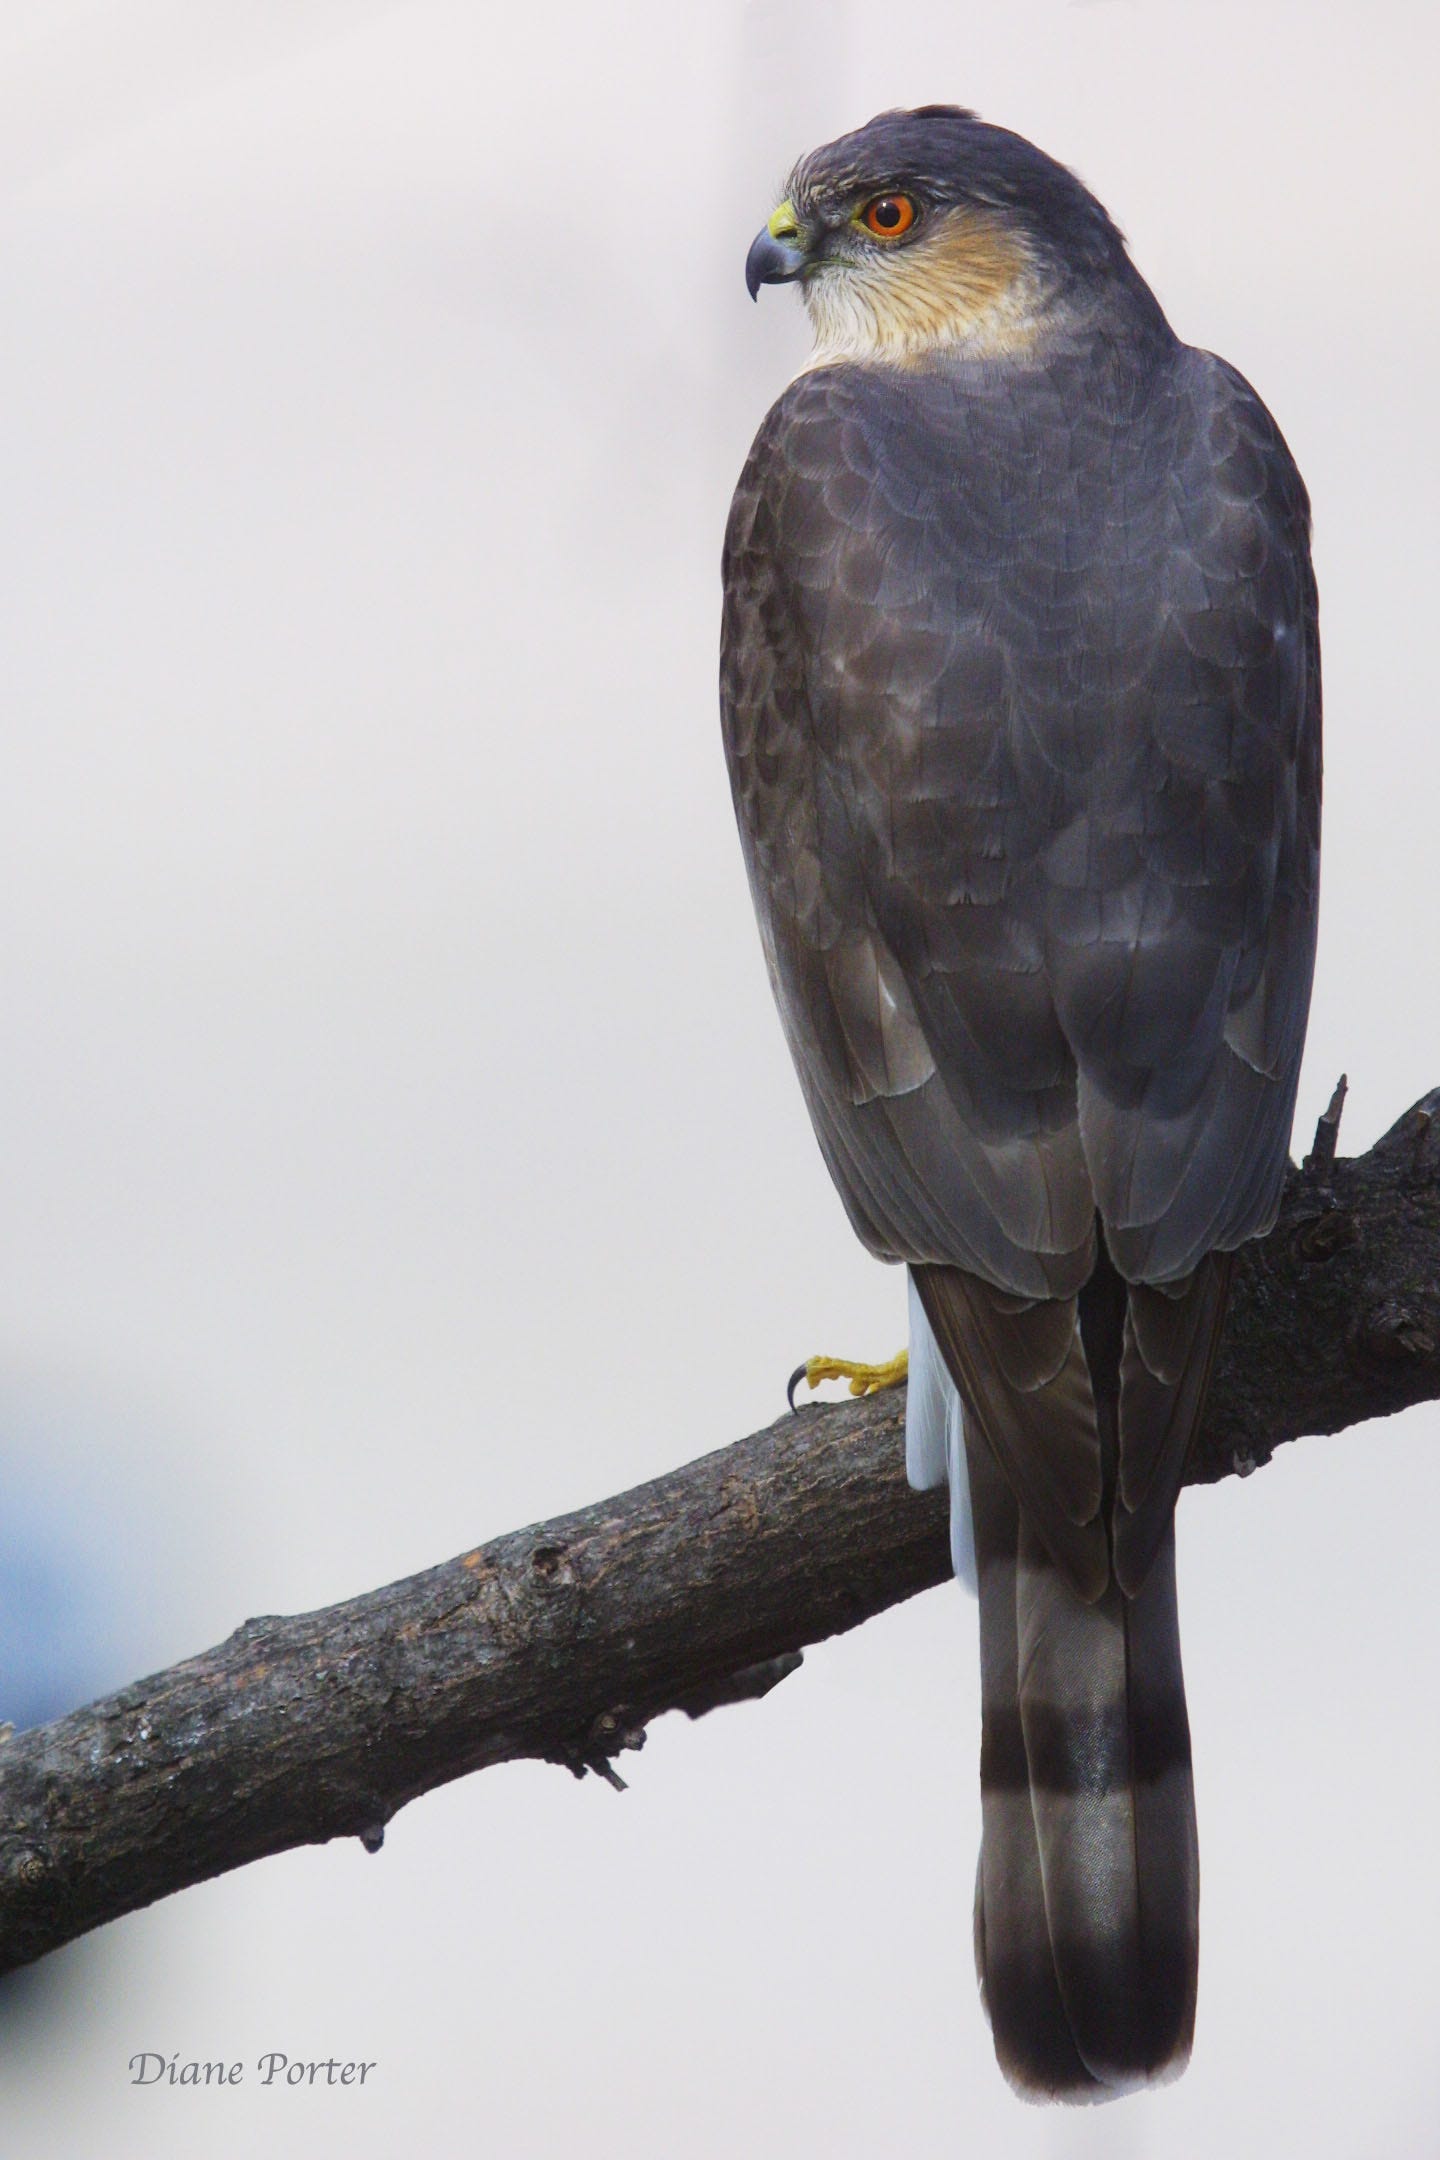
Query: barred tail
column 1087, row 1903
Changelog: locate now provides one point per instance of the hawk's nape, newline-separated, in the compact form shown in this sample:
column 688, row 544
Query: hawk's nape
column 1020, row 688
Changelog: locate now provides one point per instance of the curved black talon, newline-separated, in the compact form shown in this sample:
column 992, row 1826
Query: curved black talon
column 790, row 1386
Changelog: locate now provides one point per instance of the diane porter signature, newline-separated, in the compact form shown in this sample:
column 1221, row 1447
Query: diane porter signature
column 151, row 2069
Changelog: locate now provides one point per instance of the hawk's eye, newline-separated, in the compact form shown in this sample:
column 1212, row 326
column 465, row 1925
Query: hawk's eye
column 888, row 216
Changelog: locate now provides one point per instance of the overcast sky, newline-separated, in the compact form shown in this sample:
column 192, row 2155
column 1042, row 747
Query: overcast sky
column 396, row 1136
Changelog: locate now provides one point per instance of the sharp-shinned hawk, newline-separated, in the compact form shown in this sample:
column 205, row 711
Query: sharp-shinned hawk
column 1021, row 700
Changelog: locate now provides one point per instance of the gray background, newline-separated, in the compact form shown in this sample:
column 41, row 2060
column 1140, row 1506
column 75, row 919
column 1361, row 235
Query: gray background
column 396, row 1139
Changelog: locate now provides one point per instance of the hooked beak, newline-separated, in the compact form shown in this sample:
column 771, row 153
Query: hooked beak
column 771, row 262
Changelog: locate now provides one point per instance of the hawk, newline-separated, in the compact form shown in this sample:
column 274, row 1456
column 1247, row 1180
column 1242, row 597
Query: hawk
column 1020, row 686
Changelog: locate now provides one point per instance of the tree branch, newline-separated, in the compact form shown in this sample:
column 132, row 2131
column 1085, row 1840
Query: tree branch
column 562, row 1641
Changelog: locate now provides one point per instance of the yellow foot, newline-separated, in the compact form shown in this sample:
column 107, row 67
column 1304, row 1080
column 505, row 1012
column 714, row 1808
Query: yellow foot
column 863, row 1379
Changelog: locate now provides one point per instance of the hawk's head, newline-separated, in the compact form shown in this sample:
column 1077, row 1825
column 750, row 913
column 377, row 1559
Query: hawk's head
column 929, row 230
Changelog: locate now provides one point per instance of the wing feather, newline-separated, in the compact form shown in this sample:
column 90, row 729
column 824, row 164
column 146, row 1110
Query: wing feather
column 1022, row 710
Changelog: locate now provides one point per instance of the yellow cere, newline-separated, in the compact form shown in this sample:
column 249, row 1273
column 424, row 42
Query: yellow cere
column 784, row 225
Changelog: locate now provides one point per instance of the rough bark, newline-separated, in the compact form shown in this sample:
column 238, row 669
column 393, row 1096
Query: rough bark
column 562, row 1641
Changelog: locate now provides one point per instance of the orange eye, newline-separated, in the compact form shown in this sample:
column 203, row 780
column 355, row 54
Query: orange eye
column 888, row 216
